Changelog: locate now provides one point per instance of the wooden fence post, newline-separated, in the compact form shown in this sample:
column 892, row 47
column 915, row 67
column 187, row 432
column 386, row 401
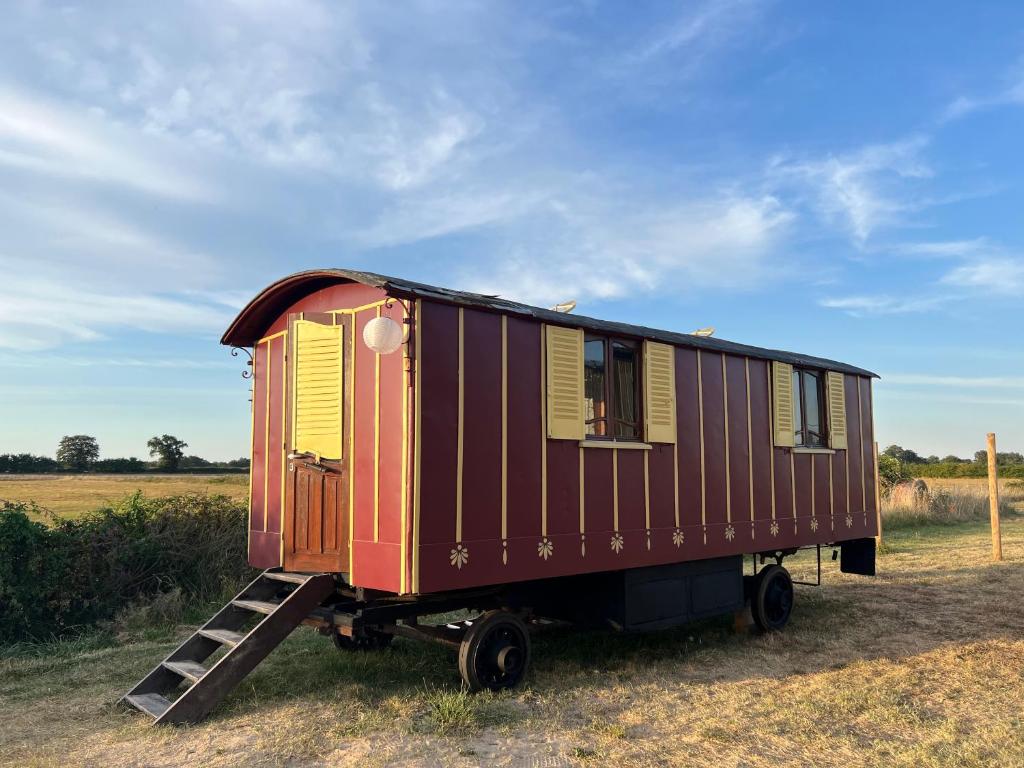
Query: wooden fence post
column 878, row 500
column 993, row 499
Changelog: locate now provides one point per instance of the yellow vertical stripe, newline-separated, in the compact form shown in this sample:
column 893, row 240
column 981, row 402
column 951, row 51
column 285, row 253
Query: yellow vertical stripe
column 504, row 428
column 615, row 489
column 792, row 485
column 583, row 527
column 417, row 451
column 771, row 435
column 813, row 509
column 860, row 449
column 459, row 450
column 647, row 495
column 376, row 444
column 266, row 437
column 831, row 499
column 403, row 532
column 750, row 443
column 675, row 477
column 700, row 418
column 543, row 435
column 283, row 448
column 728, row 480
column 350, row 393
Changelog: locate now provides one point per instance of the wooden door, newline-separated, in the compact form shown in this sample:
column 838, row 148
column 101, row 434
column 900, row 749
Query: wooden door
column 316, row 523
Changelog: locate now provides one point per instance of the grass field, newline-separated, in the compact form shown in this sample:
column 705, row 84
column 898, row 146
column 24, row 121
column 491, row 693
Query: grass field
column 71, row 495
column 922, row 665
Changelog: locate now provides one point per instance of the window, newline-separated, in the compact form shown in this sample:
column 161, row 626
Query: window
column 808, row 409
column 611, row 372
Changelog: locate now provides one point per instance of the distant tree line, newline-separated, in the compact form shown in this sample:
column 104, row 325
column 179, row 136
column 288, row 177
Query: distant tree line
column 908, row 456
column 80, row 453
column 1011, row 463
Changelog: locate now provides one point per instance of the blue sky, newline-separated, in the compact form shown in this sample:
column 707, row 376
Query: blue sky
column 837, row 179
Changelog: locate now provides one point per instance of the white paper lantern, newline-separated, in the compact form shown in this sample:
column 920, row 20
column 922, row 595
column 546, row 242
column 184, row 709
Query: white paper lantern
column 383, row 335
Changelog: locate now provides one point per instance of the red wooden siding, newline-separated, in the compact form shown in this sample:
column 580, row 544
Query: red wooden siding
column 568, row 509
column 621, row 504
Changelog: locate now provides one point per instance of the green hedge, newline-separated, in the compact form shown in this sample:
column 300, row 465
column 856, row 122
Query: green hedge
column 56, row 580
column 965, row 469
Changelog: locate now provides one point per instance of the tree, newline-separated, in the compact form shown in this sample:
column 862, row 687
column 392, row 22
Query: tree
column 77, row 451
column 951, row 459
column 903, row 455
column 932, row 460
column 168, row 448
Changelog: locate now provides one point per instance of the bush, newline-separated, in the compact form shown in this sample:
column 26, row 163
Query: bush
column 120, row 466
column 58, row 580
column 891, row 472
column 22, row 463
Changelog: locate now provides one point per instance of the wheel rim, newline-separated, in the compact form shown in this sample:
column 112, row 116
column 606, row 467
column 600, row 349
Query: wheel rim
column 778, row 600
column 499, row 661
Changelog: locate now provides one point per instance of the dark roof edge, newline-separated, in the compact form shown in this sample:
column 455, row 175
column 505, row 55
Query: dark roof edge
column 248, row 317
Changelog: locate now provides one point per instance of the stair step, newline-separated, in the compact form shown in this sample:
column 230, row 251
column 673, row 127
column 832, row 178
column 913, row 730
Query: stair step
column 153, row 704
column 257, row 606
column 212, row 681
column 223, row 636
column 190, row 670
column 291, row 578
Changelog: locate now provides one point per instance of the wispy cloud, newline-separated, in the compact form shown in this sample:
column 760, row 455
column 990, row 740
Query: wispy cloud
column 1011, row 94
column 992, row 274
column 598, row 249
column 703, row 26
column 882, row 304
column 43, row 138
column 862, row 190
column 39, row 313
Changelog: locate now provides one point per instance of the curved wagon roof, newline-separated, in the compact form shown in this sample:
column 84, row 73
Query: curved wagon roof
column 267, row 306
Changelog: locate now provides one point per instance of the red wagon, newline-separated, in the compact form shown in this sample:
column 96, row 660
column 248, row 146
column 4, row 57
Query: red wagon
column 418, row 450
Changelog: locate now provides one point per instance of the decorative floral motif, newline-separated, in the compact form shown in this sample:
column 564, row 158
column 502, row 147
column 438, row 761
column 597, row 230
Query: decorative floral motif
column 546, row 548
column 678, row 537
column 459, row 556
column 730, row 532
column 775, row 528
column 617, row 542
column 814, row 523
column 849, row 521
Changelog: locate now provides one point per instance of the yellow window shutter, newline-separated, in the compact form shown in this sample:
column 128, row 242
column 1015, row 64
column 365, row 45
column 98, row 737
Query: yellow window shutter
column 782, row 403
column 317, row 392
column 564, row 383
column 836, row 410
column 660, row 392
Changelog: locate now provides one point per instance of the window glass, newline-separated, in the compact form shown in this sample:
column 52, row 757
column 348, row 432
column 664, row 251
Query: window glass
column 624, row 389
column 813, row 409
column 594, row 387
column 798, row 411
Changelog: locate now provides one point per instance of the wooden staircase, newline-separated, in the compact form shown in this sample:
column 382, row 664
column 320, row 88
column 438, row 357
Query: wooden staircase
column 277, row 601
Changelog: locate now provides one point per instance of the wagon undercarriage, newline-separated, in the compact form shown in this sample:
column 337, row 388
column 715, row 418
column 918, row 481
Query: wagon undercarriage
column 493, row 644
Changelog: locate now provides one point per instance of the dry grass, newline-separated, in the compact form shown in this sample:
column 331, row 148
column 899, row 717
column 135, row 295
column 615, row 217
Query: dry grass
column 920, row 666
column 72, row 495
column 947, row 501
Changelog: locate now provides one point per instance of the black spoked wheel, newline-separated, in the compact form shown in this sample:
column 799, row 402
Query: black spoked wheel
column 365, row 640
column 772, row 601
column 495, row 652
